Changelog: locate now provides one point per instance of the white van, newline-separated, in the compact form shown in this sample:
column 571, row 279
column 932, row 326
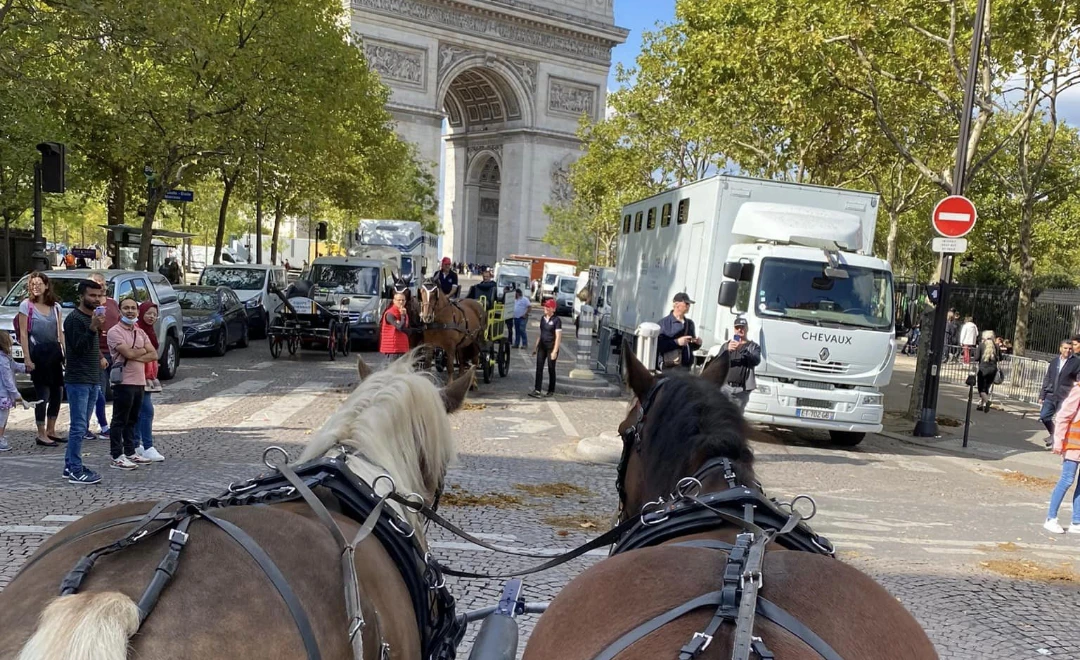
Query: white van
column 254, row 285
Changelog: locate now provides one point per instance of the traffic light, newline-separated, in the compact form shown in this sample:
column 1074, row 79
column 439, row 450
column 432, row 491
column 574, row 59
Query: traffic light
column 320, row 231
column 53, row 167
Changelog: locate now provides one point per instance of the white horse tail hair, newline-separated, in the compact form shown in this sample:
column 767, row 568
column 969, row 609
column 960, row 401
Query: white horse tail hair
column 88, row 626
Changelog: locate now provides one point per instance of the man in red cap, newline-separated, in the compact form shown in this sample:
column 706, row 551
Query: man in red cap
column 446, row 278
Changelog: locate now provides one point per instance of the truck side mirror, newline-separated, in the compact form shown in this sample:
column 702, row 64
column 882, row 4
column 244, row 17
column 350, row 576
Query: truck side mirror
column 729, row 293
column 732, row 270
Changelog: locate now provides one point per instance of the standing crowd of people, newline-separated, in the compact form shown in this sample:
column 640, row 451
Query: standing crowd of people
column 97, row 344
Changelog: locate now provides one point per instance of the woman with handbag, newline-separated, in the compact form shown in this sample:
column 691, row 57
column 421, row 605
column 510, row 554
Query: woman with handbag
column 987, row 357
column 144, row 431
column 677, row 335
column 40, row 330
column 131, row 350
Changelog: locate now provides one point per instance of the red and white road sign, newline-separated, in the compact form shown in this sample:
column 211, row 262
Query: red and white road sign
column 954, row 216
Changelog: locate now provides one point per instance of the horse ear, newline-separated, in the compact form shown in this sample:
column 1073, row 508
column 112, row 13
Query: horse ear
column 637, row 375
column 455, row 391
column 716, row 372
column 362, row 368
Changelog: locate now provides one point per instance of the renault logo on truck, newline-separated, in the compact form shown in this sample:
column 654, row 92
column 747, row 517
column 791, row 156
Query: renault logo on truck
column 823, row 355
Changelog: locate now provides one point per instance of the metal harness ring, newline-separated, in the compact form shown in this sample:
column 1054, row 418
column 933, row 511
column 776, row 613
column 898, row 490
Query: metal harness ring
column 375, row 485
column 269, row 450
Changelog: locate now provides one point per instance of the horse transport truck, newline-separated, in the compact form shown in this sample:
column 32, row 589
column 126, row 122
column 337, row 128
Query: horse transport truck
column 796, row 261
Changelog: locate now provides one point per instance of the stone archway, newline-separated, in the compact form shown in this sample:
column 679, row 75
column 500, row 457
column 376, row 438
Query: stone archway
column 494, row 91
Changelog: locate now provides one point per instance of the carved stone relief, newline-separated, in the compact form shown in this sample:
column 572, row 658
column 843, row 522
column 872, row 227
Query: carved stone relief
column 474, row 149
column 571, row 98
column 490, row 27
column 526, row 69
column 561, row 190
column 396, row 62
column 489, row 206
column 450, row 54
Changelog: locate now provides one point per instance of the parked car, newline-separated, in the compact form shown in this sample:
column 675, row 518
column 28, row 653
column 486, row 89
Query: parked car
column 214, row 318
column 253, row 285
column 118, row 284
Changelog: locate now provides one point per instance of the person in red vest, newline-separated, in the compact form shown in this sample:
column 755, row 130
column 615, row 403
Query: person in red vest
column 394, row 341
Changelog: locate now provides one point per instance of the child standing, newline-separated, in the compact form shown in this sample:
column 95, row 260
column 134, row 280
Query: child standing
column 9, row 394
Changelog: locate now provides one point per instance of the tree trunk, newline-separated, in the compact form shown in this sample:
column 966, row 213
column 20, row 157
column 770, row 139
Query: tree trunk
column 926, row 327
column 1027, row 279
column 153, row 202
column 279, row 206
column 115, row 204
column 890, row 241
column 219, row 239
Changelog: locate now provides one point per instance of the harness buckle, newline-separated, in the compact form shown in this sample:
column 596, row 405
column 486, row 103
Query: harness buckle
column 698, row 643
column 178, row 537
column 650, row 510
column 753, row 577
column 687, row 487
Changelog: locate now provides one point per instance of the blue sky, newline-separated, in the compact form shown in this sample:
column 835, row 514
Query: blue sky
column 637, row 16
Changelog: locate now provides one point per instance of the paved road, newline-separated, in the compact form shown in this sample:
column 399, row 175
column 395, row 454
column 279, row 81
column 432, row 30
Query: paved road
column 922, row 524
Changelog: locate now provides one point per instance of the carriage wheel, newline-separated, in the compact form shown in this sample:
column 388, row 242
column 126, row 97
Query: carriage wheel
column 343, row 339
column 275, row 346
column 487, row 358
column 331, row 340
column 504, row 358
column 294, row 344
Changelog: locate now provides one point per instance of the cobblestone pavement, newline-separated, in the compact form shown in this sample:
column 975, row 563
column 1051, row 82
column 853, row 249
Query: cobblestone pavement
column 924, row 525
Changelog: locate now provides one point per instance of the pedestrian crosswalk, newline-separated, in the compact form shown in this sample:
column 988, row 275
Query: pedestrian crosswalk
column 192, row 414
column 276, row 413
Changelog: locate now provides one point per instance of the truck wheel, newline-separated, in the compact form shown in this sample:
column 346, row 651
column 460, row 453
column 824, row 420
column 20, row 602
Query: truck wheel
column 170, row 359
column 846, row 438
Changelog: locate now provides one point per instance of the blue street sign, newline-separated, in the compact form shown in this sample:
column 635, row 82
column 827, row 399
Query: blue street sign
column 180, row 196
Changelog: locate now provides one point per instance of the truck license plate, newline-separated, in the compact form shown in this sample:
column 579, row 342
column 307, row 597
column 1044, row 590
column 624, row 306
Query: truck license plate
column 813, row 414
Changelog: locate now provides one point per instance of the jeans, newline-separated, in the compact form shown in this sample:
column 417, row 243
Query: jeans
column 1046, row 415
column 127, row 400
column 81, row 398
column 520, row 337
column 544, row 355
column 102, row 418
column 144, row 432
column 1068, row 475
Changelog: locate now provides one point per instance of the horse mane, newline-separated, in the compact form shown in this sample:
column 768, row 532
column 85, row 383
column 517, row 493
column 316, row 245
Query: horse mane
column 394, row 422
column 692, row 421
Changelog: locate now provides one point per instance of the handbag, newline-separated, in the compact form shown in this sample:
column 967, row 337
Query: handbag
column 999, row 377
column 671, row 358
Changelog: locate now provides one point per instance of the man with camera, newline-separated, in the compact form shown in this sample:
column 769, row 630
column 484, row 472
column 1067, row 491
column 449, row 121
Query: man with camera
column 743, row 356
column 82, row 375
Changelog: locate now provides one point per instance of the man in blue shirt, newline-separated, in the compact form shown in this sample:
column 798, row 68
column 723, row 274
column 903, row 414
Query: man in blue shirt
column 677, row 335
column 1059, row 379
column 446, row 278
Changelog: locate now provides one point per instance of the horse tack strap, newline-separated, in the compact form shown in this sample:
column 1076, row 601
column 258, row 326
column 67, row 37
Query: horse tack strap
column 178, row 538
column 296, row 608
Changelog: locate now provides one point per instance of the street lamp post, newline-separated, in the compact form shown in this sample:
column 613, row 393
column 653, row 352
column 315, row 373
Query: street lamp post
column 926, row 426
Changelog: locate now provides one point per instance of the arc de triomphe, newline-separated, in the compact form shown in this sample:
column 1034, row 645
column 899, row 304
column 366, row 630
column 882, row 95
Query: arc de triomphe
column 512, row 78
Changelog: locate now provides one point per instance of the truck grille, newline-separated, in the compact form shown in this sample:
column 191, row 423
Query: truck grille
column 816, row 367
column 354, row 318
column 814, row 385
column 821, row 404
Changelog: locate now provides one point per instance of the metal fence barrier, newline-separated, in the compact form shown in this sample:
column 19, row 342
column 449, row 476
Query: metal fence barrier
column 1022, row 377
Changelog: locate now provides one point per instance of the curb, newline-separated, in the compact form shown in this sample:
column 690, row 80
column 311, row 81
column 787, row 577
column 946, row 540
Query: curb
column 1006, row 459
column 603, row 389
column 606, row 449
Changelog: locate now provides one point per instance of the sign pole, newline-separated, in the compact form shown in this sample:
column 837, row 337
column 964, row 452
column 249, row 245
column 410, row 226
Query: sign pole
column 926, row 426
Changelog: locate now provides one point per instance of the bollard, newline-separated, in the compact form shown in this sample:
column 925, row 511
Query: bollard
column 967, row 415
column 581, row 369
column 648, row 335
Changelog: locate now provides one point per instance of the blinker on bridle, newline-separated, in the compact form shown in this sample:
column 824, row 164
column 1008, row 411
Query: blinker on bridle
column 631, row 437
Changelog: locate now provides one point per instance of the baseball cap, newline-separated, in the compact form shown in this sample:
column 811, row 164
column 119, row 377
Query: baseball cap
column 550, row 303
column 446, row 261
column 683, row 298
column 740, row 322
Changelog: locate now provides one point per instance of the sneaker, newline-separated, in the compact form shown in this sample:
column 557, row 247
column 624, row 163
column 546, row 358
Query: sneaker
column 151, row 454
column 1052, row 525
column 89, row 436
column 84, row 476
column 103, row 434
column 138, row 459
column 122, row 463
column 549, row 394
column 535, row 394
column 66, row 474
column 4, row 446
column 1074, row 528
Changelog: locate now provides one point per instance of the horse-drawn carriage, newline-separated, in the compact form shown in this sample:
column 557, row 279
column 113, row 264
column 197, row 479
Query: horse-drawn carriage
column 301, row 322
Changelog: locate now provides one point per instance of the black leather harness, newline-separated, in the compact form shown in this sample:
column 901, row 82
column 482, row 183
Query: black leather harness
column 440, row 631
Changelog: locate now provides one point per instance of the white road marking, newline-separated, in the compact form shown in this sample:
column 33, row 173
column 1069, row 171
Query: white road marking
column 188, row 384
column 853, row 546
column 60, row 518
column 29, row 529
column 564, row 421
column 190, row 414
column 280, row 409
column 955, row 551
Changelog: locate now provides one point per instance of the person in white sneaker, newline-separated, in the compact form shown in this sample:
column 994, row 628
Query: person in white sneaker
column 1066, row 443
column 131, row 350
column 144, row 432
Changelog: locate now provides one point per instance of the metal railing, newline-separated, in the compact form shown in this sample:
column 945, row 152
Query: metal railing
column 1022, row 376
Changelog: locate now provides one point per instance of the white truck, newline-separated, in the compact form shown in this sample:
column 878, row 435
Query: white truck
column 795, row 261
column 417, row 250
column 552, row 270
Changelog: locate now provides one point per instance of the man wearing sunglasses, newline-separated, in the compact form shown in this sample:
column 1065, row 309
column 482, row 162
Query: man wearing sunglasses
column 743, row 356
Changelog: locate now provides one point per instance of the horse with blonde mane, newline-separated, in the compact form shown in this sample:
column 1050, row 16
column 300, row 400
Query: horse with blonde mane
column 224, row 602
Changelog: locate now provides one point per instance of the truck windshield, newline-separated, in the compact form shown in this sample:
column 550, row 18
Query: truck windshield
column 237, row 279
column 800, row 291
column 340, row 278
column 567, row 286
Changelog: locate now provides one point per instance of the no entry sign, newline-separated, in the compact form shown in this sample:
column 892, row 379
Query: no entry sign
column 954, row 216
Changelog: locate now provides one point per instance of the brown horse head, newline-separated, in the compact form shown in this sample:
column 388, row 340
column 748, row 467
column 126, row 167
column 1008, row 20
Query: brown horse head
column 432, row 300
column 675, row 424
